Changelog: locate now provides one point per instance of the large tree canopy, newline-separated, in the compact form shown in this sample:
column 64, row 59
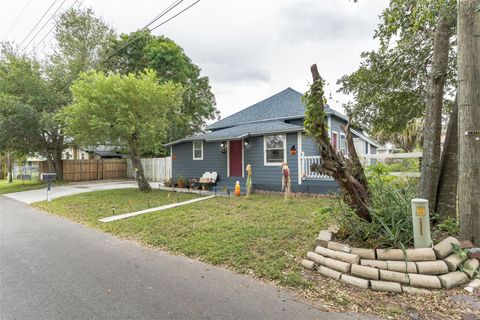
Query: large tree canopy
column 131, row 110
column 390, row 87
column 141, row 50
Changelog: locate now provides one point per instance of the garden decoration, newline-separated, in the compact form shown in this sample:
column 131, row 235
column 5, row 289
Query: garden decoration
column 286, row 182
column 445, row 265
column 237, row 189
column 249, row 179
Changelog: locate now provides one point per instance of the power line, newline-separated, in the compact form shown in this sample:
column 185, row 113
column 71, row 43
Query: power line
column 157, row 26
column 51, row 29
column 44, row 25
column 17, row 18
column 38, row 22
column 161, row 24
column 164, row 12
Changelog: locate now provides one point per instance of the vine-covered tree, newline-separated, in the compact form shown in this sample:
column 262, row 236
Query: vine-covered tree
column 347, row 172
column 141, row 50
column 131, row 110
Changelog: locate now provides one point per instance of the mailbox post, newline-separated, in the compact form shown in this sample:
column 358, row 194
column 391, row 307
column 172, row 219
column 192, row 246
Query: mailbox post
column 49, row 177
column 421, row 223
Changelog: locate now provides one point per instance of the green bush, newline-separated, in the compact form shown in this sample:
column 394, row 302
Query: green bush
column 391, row 225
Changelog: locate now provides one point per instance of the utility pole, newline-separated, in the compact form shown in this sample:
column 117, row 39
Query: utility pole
column 469, row 119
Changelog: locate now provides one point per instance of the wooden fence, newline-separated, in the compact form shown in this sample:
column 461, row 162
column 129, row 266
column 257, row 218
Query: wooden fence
column 89, row 170
column 155, row 169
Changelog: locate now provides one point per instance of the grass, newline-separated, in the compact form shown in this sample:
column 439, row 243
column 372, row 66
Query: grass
column 261, row 235
column 19, row 185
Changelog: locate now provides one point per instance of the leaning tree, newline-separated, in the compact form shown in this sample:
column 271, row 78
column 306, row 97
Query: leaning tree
column 347, row 172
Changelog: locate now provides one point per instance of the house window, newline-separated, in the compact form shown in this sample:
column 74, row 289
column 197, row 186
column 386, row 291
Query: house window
column 335, row 140
column 83, row 156
column 197, row 150
column 366, row 147
column 274, row 149
column 343, row 143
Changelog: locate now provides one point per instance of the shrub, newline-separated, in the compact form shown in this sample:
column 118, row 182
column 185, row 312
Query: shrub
column 391, row 224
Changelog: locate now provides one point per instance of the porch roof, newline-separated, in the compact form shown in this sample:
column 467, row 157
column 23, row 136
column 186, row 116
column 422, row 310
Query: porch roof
column 243, row 131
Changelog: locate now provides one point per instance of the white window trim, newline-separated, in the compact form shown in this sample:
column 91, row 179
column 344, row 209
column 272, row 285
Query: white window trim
column 337, row 144
column 274, row 164
column 366, row 147
column 345, row 152
column 193, row 149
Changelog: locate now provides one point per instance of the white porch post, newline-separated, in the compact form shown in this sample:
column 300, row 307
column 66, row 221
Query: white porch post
column 299, row 156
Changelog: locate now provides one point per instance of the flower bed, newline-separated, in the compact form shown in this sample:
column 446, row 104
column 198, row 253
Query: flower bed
column 391, row 270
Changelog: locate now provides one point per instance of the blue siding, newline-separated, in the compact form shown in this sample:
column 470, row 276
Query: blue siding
column 184, row 165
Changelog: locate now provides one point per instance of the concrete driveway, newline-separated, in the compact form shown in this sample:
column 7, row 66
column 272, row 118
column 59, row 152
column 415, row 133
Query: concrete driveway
column 32, row 196
column 52, row 268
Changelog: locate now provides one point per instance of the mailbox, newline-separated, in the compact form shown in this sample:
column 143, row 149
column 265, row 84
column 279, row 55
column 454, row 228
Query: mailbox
column 48, row 176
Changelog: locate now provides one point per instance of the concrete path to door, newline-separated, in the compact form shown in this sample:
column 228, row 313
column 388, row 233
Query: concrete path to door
column 52, row 268
column 32, row 196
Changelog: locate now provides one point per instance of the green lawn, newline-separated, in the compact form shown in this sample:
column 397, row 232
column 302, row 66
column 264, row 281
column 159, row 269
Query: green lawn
column 17, row 186
column 263, row 235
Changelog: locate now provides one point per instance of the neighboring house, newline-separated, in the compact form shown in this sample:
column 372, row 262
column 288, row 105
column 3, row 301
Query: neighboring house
column 100, row 152
column 264, row 135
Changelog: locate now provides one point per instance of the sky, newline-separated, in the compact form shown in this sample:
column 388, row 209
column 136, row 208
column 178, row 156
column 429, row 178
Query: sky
column 249, row 49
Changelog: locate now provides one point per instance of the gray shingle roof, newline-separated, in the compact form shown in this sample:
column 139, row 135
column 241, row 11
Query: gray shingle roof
column 243, row 131
column 286, row 104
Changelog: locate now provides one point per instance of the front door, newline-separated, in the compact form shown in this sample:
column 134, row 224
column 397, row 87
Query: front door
column 236, row 158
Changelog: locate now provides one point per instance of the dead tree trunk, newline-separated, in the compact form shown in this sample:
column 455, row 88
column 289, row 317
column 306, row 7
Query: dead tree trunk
column 348, row 173
column 446, row 203
column 433, row 112
column 469, row 119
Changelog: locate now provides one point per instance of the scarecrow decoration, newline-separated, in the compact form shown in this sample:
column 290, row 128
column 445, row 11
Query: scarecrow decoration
column 249, row 179
column 286, row 182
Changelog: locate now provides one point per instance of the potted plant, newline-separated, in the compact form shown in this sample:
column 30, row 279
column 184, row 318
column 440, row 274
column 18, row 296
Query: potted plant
column 167, row 183
column 181, row 182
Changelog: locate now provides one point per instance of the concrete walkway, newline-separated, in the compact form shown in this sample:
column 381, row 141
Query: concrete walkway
column 52, row 268
column 32, row 196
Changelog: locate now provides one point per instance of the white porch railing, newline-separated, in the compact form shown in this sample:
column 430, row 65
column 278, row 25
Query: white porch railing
column 307, row 173
column 367, row 160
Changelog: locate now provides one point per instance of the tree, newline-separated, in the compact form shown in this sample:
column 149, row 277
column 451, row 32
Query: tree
column 469, row 119
column 28, row 106
column 409, row 77
column 43, row 88
column 129, row 110
column 347, row 172
column 141, row 50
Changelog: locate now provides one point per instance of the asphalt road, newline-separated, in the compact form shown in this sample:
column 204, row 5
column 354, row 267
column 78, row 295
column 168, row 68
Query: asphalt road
column 51, row 268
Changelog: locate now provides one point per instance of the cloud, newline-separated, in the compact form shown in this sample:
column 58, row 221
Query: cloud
column 233, row 73
column 325, row 21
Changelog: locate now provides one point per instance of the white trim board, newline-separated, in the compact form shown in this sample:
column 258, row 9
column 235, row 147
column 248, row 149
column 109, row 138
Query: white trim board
column 164, row 207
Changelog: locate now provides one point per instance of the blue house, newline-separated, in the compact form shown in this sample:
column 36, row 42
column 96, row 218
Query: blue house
column 264, row 135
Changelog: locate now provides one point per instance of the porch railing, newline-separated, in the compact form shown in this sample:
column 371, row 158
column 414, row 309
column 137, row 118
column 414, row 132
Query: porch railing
column 307, row 173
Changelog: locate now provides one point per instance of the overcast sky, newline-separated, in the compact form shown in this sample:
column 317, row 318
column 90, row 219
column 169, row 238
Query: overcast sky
column 250, row 49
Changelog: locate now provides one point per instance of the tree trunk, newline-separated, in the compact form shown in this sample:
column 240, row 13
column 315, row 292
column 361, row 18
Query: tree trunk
column 348, row 173
column 142, row 182
column 469, row 120
column 433, row 112
column 446, row 203
column 58, row 165
column 9, row 167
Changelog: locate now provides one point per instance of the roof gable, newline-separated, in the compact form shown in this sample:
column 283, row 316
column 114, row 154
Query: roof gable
column 283, row 105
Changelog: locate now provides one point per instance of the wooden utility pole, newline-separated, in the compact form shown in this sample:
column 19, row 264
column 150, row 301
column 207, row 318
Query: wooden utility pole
column 469, row 119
